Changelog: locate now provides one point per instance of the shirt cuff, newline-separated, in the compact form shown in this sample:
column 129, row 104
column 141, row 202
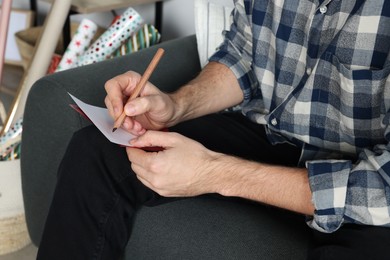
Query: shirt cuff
column 242, row 71
column 328, row 182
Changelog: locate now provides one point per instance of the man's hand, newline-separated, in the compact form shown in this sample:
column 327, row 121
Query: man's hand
column 152, row 110
column 214, row 89
column 184, row 168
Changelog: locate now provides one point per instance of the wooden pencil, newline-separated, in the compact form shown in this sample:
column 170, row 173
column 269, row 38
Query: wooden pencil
column 141, row 84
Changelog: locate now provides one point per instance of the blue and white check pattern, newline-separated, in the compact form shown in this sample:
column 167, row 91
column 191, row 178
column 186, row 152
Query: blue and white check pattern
column 316, row 73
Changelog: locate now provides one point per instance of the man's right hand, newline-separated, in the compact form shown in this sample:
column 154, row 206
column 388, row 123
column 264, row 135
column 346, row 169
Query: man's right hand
column 153, row 109
column 214, row 89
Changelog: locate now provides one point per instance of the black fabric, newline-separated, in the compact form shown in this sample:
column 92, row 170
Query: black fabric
column 234, row 134
column 94, row 201
column 351, row 242
column 97, row 194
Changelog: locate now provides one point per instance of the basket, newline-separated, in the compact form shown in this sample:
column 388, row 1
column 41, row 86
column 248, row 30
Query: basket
column 13, row 228
column 27, row 39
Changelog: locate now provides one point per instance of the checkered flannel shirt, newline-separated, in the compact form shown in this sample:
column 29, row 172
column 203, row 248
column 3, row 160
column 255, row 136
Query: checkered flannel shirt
column 316, row 74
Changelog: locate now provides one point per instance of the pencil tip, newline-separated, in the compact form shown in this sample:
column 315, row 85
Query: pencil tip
column 114, row 129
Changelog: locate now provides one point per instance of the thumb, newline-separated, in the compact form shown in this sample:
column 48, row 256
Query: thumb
column 138, row 106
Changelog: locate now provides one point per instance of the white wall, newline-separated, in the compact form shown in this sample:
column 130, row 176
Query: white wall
column 178, row 16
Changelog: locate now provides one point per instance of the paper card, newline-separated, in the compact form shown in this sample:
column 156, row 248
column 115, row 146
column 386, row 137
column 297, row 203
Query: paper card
column 104, row 122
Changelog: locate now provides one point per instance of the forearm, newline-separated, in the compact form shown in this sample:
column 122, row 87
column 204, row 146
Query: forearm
column 187, row 168
column 283, row 187
column 214, row 89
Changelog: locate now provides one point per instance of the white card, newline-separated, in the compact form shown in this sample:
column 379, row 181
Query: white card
column 104, row 122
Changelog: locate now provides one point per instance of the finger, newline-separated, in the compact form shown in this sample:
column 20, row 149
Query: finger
column 146, row 182
column 147, row 177
column 140, row 105
column 139, row 158
column 114, row 98
column 118, row 88
column 134, row 127
column 124, row 83
column 129, row 124
column 160, row 190
column 155, row 138
column 109, row 107
column 133, row 78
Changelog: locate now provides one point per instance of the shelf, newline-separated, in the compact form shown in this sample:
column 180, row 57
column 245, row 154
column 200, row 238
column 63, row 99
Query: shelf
column 92, row 6
column 95, row 6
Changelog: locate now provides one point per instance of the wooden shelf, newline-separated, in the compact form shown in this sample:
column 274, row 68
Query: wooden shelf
column 92, row 6
column 95, row 6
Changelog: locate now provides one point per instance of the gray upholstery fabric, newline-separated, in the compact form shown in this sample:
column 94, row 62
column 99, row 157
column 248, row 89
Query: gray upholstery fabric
column 197, row 228
column 211, row 228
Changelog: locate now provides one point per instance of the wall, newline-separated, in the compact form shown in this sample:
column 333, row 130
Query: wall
column 178, row 16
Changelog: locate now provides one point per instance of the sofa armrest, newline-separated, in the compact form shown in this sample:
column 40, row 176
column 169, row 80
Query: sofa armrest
column 49, row 122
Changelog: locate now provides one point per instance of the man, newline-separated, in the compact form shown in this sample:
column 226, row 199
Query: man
column 312, row 81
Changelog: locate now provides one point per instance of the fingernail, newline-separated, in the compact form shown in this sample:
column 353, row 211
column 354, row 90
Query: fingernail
column 142, row 131
column 130, row 109
column 137, row 127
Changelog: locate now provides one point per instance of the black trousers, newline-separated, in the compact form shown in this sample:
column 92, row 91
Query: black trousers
column 97, row 193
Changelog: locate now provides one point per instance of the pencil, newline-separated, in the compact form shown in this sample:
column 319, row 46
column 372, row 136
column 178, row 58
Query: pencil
column 141, row 84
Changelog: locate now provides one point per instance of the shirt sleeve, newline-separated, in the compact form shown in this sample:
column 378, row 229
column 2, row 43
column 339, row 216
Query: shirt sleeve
column 236, row 50
column 344, row 192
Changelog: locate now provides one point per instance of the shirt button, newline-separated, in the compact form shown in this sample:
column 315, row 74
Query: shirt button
column 308, row 71
column 274, row 122
column 323, row 9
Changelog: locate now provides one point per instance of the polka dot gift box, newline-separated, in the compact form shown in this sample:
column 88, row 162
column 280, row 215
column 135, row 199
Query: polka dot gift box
column 126, row 25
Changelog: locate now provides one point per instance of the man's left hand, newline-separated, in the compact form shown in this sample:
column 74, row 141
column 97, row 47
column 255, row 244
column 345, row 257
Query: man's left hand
column 183, row 168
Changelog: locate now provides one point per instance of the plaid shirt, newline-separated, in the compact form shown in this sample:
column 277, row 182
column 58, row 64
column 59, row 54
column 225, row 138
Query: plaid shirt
column 316, row 74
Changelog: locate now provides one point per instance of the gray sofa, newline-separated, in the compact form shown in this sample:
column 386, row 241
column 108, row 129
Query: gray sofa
column 198, row 228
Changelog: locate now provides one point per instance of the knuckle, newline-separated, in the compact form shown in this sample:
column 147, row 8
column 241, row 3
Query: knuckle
column 109, row 84
column 158, row 184
column 154, row 168
column 106, row 101
column 174, row 138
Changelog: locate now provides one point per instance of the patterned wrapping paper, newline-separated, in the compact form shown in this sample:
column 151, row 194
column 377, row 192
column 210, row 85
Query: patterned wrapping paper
column 147, row 36
column 78, row 45
column 12, row 152
column 127, row 24
column 10, row 142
